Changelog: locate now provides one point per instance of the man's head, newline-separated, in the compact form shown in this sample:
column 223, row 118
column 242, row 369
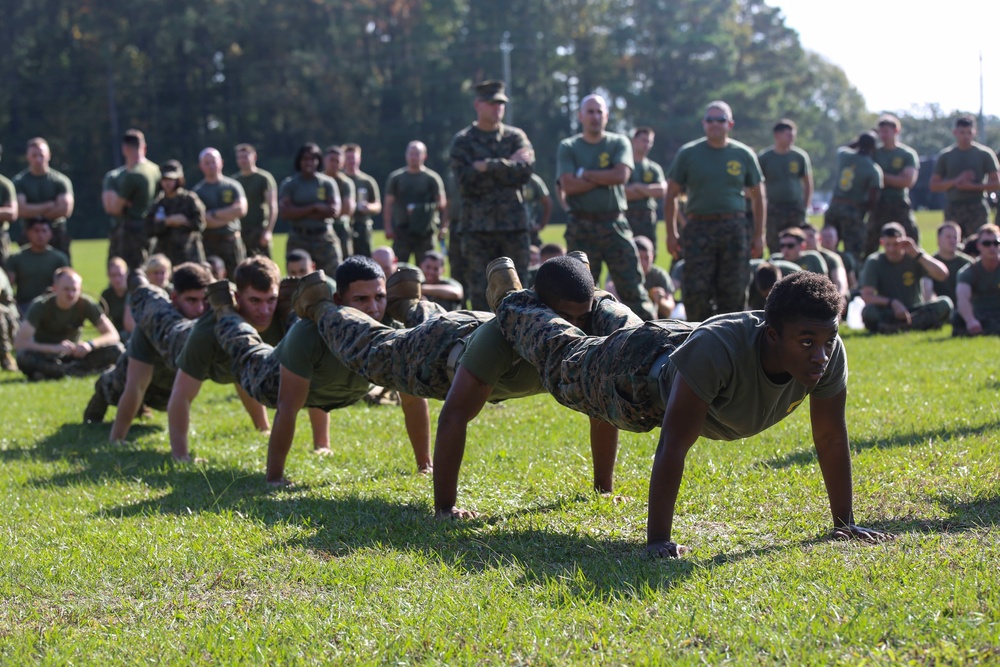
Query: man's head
column 257, row 281
column 811, row 235
column 171, row 175
column 865, row 143
column 490, row 103
column 948, row 235
column 802, row 313
column 385, row 258
column 299, row 263
column 642, row 141
column 717, row 121
column 765, row 277
column 67, row 286
column 432, row 264
column 118, row 275
column 550, row 250
column 38, row 155
column 647, row 252
column 565, row 285
column 210, row 163
column 133, row 144
column 829, row 237
column 888, row 127
column 535, row 254
column 593, row 115
column 416, row 155
column 217, row 266
column 785, row 131
column 792, row 242
column 361, row 285
column 158, row 268
column 308, row 158
column 246, row 157
column 333, row 159
column 891, row 236
column 190, row 281
column 352, row 158
column 965, row 130
column 39, row 233
column 986, row 242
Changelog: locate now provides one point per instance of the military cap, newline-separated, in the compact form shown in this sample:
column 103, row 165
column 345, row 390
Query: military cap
column 491, row 91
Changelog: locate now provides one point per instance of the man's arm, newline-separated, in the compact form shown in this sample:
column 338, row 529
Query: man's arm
column 292, row 212
column 137, row 380
column 904, row 179
column 939, row 183
column 257, row 412
column 292, row 393
column 467, row 396
column 616, row 175
column 272, row 210
column 64, row 205
column 184, row 391
column 25, row 342
column 829, row 428
column 320, row 422
column 108, row 334
column 604, row 452
column 963, row 294
column 390, row 199
column 670, row 217
column 9, row 212
column 443, row 291
column 114, row 203
column 758, row 199
column 417, row 415
column 807, row 191
column 546, row 213
column 45, row 209
column 934, row 268
column 682, row 423
column 221, row 217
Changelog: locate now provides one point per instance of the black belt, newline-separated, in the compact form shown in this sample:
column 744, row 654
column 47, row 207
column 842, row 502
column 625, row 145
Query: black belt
column 604, row 216
column 715, row 216
column 310, row 231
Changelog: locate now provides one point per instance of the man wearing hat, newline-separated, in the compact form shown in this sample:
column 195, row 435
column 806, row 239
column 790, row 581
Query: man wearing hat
column 965, row 172
column 177, row 218
column 859, row 181
column 491, row 162
column 127, row 197
column 900, row 167
column 890, row 286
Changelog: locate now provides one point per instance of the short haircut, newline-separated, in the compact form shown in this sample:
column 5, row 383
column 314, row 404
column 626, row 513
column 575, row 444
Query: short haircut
column 308, row 148
column 890, row 119
column 723, row 106
column 248, row 148
column 808, row 227
column 645, row 243
column 133, row 138
column 793, row 232
column 785, row 124
column 191, row 276
column 966, row 120
column 36, row 142
column 119, row 262
column 215, row 262
column 355, row 268
column 334, row 148
column 298, row 255
column 564, row 279
column 988, row 229
column 158, row 261
column 552, row 250
column 948, row 224
column 432, row 254
column 765, row 276
column 348, row 148
column 34, row 222
column 643, row 129
column 65, row 271
column 258, row 272
column 802, row 295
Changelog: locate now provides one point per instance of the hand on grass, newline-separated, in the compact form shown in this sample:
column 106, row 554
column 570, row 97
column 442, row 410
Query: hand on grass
column 456, row 513
column 852, row 532
column 665, row 549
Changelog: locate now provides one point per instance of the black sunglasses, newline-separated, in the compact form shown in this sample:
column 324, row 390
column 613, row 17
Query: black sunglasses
column 716, row 119
column 789, row 245
column 989, row 244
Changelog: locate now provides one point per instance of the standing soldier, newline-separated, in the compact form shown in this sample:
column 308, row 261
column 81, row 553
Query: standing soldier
column 900, row 168
column 491, row 162
column 310, row 200
column 537, row 206
column 788, row 174
column 8, row 214
column 719, row 174
column 44, row 194
column 966, row 171
column 645, row 187
column 333, row 160
column 415, row 206
column 257, row 226
column 225, row 203
column 369, row 200
column 128, row 193
column 859, row 181
column 177, row 218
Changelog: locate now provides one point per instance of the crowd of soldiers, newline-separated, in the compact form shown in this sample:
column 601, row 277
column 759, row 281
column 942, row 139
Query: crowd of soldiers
column 349, row 317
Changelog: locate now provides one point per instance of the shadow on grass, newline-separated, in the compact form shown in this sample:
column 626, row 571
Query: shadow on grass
column 964, row 516
column 808, row 456
column 88, row 443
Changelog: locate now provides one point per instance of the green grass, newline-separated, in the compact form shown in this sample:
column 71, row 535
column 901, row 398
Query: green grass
column 117, row 556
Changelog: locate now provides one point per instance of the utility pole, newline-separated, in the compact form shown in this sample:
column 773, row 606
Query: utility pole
column 505, row 48
column 982, row 116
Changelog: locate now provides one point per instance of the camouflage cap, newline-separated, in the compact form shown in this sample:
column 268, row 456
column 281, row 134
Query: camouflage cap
column 172, row 169
column 491, row 91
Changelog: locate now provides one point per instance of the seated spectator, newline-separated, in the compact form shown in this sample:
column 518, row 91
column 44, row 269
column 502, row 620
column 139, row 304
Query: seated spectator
column 890, row 286
column 657, row 281
column 834, row 264
column 948, row 254
column 114, row 297
column 31, row 270
column 159, row 270
column 48, row 344
column 446, row 292
column 536, row 257
column 8, row 324
column 218, row 267
column 792, row 242
column 978, row 290
column 763, row 275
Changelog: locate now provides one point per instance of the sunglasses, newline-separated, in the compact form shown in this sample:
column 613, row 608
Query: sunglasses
column 788, row 245
column 716, row 119
column 989, row 244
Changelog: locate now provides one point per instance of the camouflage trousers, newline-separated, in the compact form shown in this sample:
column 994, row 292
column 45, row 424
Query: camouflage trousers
column 251, row 240
column 128, row 240
column 970, row 216
column 163, row 324
column 321, row 244
column 61, row 240
column 889, row 210
column 9, row 326
column 924, row 316
column 4, row 244
column 44, row 366
column 407, row 243
column 614, row 378
column 181, row 246
column 228, row 247
column 611, row 243
column 481, row 248
column 362, row 240
column 642, row 221
column 342, row 228
column 255, row 365
column 111, row 385
column 850, row 224
column 779, row 218
column 716, row 256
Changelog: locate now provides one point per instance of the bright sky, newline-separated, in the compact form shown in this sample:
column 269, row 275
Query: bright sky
column 901, row 53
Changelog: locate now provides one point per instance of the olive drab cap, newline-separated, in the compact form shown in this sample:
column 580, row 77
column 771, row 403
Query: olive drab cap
column 491, row 91
column 172, row 169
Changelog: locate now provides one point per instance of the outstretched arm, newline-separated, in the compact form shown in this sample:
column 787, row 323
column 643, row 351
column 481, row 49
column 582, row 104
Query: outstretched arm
column 467, row 396
column 418, row 427
column 292, row 393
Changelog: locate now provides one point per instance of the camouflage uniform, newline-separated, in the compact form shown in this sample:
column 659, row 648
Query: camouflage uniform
column 111, row 385
column 128, row 236
column 780, row 217
column 255, row 365
column 224, row 242
column 179, row 244
column 367, row 190
column 493, row 219
column 970, row 215
column 342, row 225
column 9, row 320
column 38, row 365
column 577, row 369
column 314, row 236
column 969, row 209
column 166, row 328
column 7, row 196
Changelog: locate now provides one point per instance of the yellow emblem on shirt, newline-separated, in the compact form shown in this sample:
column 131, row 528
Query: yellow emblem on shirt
column 734, row 168
column 227, row 196
column 647, row 177
column 846, row 179
column 793, row 167
column 321, row 193
column 794, row 405
column 604, row 160
column 908, row 278
column 897, row 162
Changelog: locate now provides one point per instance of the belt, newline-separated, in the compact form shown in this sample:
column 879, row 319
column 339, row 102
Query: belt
column 658, row 364
column 311, row 231
column 845, row 200
column 708, row 217
column 453, row 356
column 604, row 216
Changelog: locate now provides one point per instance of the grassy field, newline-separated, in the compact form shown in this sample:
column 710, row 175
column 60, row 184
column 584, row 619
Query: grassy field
column 115, row 555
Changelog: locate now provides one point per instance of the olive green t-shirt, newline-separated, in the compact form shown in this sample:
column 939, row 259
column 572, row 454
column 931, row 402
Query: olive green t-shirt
column 893, row 162
column 345, row 185
column 221, row 194
column 331, row 384
column 33, row 271
column 304, row 191
column 202, row 357
column 897, row 281
column 857, row 175
column 810, row 260
column 985, row 289
column 658, row 277
column 47, row 187
column 720, row 361
column 53, row 325
column 575, row 153
column 952, row 161
column 946, row 287
column 114, row 307
column 532, row 194
column 7, row 195
column 492, row 359
column 256, row 186
column 367, row 190
column 138, row 186
column 715, row 178
column 646, row 172
column 140, row 348
column 832, row 259
column 784, row 174
column 755, row 300
column 422, row 190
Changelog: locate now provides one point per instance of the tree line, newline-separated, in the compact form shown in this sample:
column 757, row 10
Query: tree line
column 384, row 72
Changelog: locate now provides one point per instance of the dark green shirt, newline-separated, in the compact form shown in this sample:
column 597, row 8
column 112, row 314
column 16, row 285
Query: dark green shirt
column 894, row 162
column 857, row 174
column 47, row 187
column 202, row 357
column 576, row 153
column 646, row 172
column 952, row 161
column 221, row 194
column 114, row 307
column 367, row 190
column 140, row 348
column 533, row 192
column 255, row 186
column 785, row 174
column 810, row 260
column 421, row 190
column 305, row 191
column 492, row 359
column 33, row 270
column 985, row 289
column 946, row 287
column 53, row 325
column 138, row 187
column 715, row 178
column 331, row 384
column 897, row 281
